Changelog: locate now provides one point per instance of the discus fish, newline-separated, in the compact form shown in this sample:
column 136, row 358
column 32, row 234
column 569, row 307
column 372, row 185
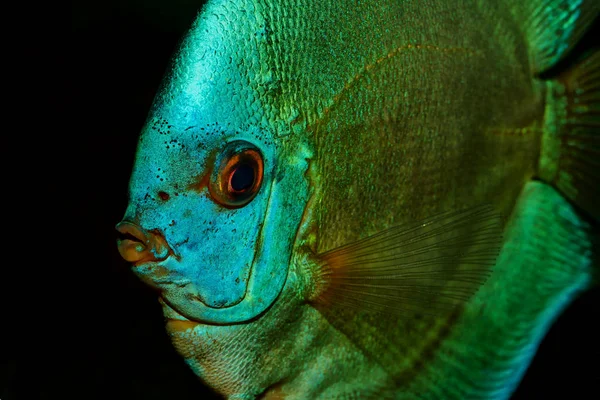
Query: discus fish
column 369, row 199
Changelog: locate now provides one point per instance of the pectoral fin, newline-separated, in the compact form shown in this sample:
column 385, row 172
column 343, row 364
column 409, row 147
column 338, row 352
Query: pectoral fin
column 425, row 267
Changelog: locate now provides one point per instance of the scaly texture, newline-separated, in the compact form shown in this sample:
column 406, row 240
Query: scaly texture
column 367, row 115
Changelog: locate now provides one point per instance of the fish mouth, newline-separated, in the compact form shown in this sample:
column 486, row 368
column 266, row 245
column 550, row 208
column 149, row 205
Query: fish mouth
column 140, row 246
column 187, row 299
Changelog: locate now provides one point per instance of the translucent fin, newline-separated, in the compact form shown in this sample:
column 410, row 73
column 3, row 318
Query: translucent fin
column 426, row 267
column 555, row 26
column 571, row 143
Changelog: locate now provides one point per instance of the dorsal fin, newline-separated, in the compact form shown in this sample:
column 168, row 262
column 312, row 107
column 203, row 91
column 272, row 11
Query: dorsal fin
column 553, row 27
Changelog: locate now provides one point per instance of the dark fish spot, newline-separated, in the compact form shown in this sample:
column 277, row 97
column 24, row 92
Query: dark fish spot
column 279, row 176
column 242, row 178
column 163, row 195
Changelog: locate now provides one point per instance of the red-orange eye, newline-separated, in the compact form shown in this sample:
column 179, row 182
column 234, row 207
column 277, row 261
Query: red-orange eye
column 238, row 175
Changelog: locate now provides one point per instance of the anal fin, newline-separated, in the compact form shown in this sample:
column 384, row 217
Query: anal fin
column 544, row 264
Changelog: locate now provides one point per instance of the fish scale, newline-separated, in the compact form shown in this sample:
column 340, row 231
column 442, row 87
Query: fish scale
column 565, row 246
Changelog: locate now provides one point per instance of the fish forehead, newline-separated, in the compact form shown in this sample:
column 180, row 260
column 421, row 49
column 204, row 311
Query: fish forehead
column 224, row 83
column 220, row 73
column 278, row 66
column 215, row 91
column 258, row 71
column 274, row 64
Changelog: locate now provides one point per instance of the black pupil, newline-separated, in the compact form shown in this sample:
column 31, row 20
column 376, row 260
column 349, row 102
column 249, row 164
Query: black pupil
column 243, row 178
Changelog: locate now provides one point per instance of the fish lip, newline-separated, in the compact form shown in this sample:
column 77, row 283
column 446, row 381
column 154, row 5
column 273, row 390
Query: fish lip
column 153, row 241
column 150, row 261
column 147, row 262
column 131, row 228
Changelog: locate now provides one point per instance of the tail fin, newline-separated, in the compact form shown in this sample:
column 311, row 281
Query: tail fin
column 570, row 155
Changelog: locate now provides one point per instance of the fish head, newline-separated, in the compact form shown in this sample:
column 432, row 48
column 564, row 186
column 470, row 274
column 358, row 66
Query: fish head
column 217, row 191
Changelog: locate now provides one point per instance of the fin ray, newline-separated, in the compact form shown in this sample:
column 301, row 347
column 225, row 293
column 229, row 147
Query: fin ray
column 554, row 27
column 570, row 157
column 429, row 266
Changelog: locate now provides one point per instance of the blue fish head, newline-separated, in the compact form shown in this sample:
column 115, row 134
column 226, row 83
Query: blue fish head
column 218, row 187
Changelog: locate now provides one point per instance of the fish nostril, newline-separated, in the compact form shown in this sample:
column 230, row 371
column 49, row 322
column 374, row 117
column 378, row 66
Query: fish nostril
column 163, row 195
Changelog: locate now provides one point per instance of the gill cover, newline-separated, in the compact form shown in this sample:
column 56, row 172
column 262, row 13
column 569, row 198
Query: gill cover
column 228, row 252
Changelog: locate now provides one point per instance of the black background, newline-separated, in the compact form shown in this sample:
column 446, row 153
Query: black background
column 104, row 335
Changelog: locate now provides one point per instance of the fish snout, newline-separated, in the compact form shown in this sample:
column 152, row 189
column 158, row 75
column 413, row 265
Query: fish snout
column 138, row 245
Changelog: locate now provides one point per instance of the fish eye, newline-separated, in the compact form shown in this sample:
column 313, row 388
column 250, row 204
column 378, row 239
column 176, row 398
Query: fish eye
column 238, row 175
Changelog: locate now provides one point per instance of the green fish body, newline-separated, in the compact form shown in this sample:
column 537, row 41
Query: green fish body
column 369, row 199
